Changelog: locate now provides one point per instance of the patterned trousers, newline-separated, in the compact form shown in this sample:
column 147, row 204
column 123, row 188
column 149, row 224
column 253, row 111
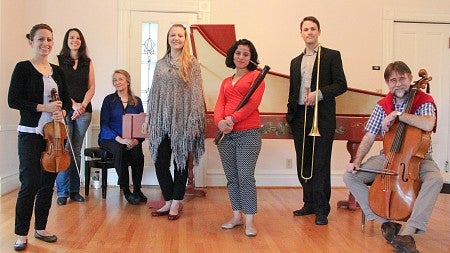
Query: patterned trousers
column 239, row 152
column 431, row 186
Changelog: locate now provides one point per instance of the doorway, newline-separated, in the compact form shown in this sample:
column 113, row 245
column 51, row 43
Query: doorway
column 148, row 44
column 426, row 45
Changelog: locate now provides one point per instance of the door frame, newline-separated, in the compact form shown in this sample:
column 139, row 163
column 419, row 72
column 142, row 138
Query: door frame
column 125, row 8
column 200, row 7
column 390, row 16
column 394, row 15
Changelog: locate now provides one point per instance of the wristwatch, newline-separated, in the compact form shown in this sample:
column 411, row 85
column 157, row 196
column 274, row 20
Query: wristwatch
column 399, row 113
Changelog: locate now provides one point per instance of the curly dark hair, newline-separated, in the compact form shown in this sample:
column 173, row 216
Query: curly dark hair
column 229, row 62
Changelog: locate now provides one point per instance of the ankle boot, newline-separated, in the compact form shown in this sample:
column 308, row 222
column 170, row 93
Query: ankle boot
column 138, row 193
column 130, row 197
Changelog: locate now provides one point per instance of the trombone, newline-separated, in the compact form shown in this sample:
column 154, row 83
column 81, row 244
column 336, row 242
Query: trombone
column 315, row 127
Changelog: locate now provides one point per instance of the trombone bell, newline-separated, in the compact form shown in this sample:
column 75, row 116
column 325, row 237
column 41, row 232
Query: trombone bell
column 315, row 127
column 314, row 132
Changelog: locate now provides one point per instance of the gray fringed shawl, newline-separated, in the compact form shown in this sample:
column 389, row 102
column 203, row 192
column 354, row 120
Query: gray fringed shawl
column 178, row 111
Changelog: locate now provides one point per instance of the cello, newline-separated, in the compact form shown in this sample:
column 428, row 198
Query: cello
column 395, row 188
column 55, row 158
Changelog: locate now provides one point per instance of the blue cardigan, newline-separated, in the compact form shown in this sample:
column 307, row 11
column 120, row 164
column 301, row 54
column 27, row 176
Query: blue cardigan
column 111, row 116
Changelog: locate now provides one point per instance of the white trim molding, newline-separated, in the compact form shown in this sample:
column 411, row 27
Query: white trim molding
column 9, row 183
column 268, row 178
column 200, row 7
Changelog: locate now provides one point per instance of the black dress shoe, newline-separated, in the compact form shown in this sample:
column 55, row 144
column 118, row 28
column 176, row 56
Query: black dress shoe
column 404, row 244
column 321, row 219
column 390, row 229
column 19, row 246
column 304, row 211
column 140, row 195
column 76, row 197
column 45, row 238
column 132, row 199
column 61, row 201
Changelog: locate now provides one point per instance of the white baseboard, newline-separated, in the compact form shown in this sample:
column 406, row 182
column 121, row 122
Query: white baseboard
column 9, row 183
column 213, row 178
column 446, row 177
column 281, row 179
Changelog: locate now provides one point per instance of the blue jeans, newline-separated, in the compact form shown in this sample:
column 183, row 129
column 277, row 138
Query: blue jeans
column 68, row 181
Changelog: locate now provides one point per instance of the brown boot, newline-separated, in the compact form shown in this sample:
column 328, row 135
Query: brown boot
column 404, row 244
column 390, row 229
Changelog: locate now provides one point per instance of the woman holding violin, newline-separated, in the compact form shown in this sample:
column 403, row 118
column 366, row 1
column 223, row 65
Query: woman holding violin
column 389, row 113
column 30, row 89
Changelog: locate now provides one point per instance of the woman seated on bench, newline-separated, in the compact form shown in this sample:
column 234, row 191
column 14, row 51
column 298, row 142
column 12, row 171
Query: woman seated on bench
column 126, row 151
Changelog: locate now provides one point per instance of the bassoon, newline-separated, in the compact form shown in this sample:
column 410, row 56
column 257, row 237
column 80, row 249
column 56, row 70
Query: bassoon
column 250, row 92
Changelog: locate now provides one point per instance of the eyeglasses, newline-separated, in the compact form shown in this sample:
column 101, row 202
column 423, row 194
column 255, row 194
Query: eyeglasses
column 394, row 81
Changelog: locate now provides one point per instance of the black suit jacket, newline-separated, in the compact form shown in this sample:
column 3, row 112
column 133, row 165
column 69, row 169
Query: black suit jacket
column 332, row 83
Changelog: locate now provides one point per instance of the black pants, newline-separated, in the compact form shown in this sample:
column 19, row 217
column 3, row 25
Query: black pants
column 317, row 190
column 122, row 158
column 171, row 188
column 36, row 189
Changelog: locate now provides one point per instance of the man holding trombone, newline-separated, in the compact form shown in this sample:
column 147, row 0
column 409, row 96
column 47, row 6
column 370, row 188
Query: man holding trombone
column 311, row 115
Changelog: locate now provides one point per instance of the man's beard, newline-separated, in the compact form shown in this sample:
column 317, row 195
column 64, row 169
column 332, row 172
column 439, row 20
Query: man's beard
column 400, row 93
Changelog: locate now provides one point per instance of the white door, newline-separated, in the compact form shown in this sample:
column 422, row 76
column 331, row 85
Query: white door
column 148, row 43
column 422, row 45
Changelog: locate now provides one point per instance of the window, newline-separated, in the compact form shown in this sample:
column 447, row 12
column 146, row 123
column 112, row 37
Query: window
column 149, row 58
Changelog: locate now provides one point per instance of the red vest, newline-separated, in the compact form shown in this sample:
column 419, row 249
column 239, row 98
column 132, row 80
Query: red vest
column 419, row 99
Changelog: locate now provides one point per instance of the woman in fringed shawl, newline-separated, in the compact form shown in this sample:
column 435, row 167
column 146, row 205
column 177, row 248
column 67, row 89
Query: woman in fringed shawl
column 176, row 119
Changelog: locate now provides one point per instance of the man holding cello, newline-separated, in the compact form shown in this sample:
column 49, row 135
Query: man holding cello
column 402, row 107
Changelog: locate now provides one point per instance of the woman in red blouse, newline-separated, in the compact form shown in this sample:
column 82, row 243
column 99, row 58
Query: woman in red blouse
column 240, row 147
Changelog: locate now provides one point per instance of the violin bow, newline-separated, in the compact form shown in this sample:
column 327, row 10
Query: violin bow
column 68, row 137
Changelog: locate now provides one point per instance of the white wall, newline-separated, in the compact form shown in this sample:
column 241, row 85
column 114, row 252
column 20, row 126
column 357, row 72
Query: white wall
column 353, row 27
column 98, row 22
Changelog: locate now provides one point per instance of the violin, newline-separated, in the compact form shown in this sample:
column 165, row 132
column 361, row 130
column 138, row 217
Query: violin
column 395, row 188
column 55, row 158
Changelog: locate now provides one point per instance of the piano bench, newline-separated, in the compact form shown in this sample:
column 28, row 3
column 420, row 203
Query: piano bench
column 97, row 157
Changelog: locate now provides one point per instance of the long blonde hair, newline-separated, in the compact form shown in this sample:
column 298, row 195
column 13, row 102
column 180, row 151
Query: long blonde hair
column 185, row 58
column 132, row 101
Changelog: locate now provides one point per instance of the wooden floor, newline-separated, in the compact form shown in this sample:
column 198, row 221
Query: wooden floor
column 113, row 225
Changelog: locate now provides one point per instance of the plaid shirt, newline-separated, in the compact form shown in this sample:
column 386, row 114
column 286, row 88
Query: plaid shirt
column 374, row 123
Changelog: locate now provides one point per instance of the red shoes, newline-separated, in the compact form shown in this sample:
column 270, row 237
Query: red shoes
column 176, row 216
column 170, row 216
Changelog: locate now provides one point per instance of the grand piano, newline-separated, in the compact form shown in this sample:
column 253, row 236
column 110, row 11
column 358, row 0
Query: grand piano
column 210, row 44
